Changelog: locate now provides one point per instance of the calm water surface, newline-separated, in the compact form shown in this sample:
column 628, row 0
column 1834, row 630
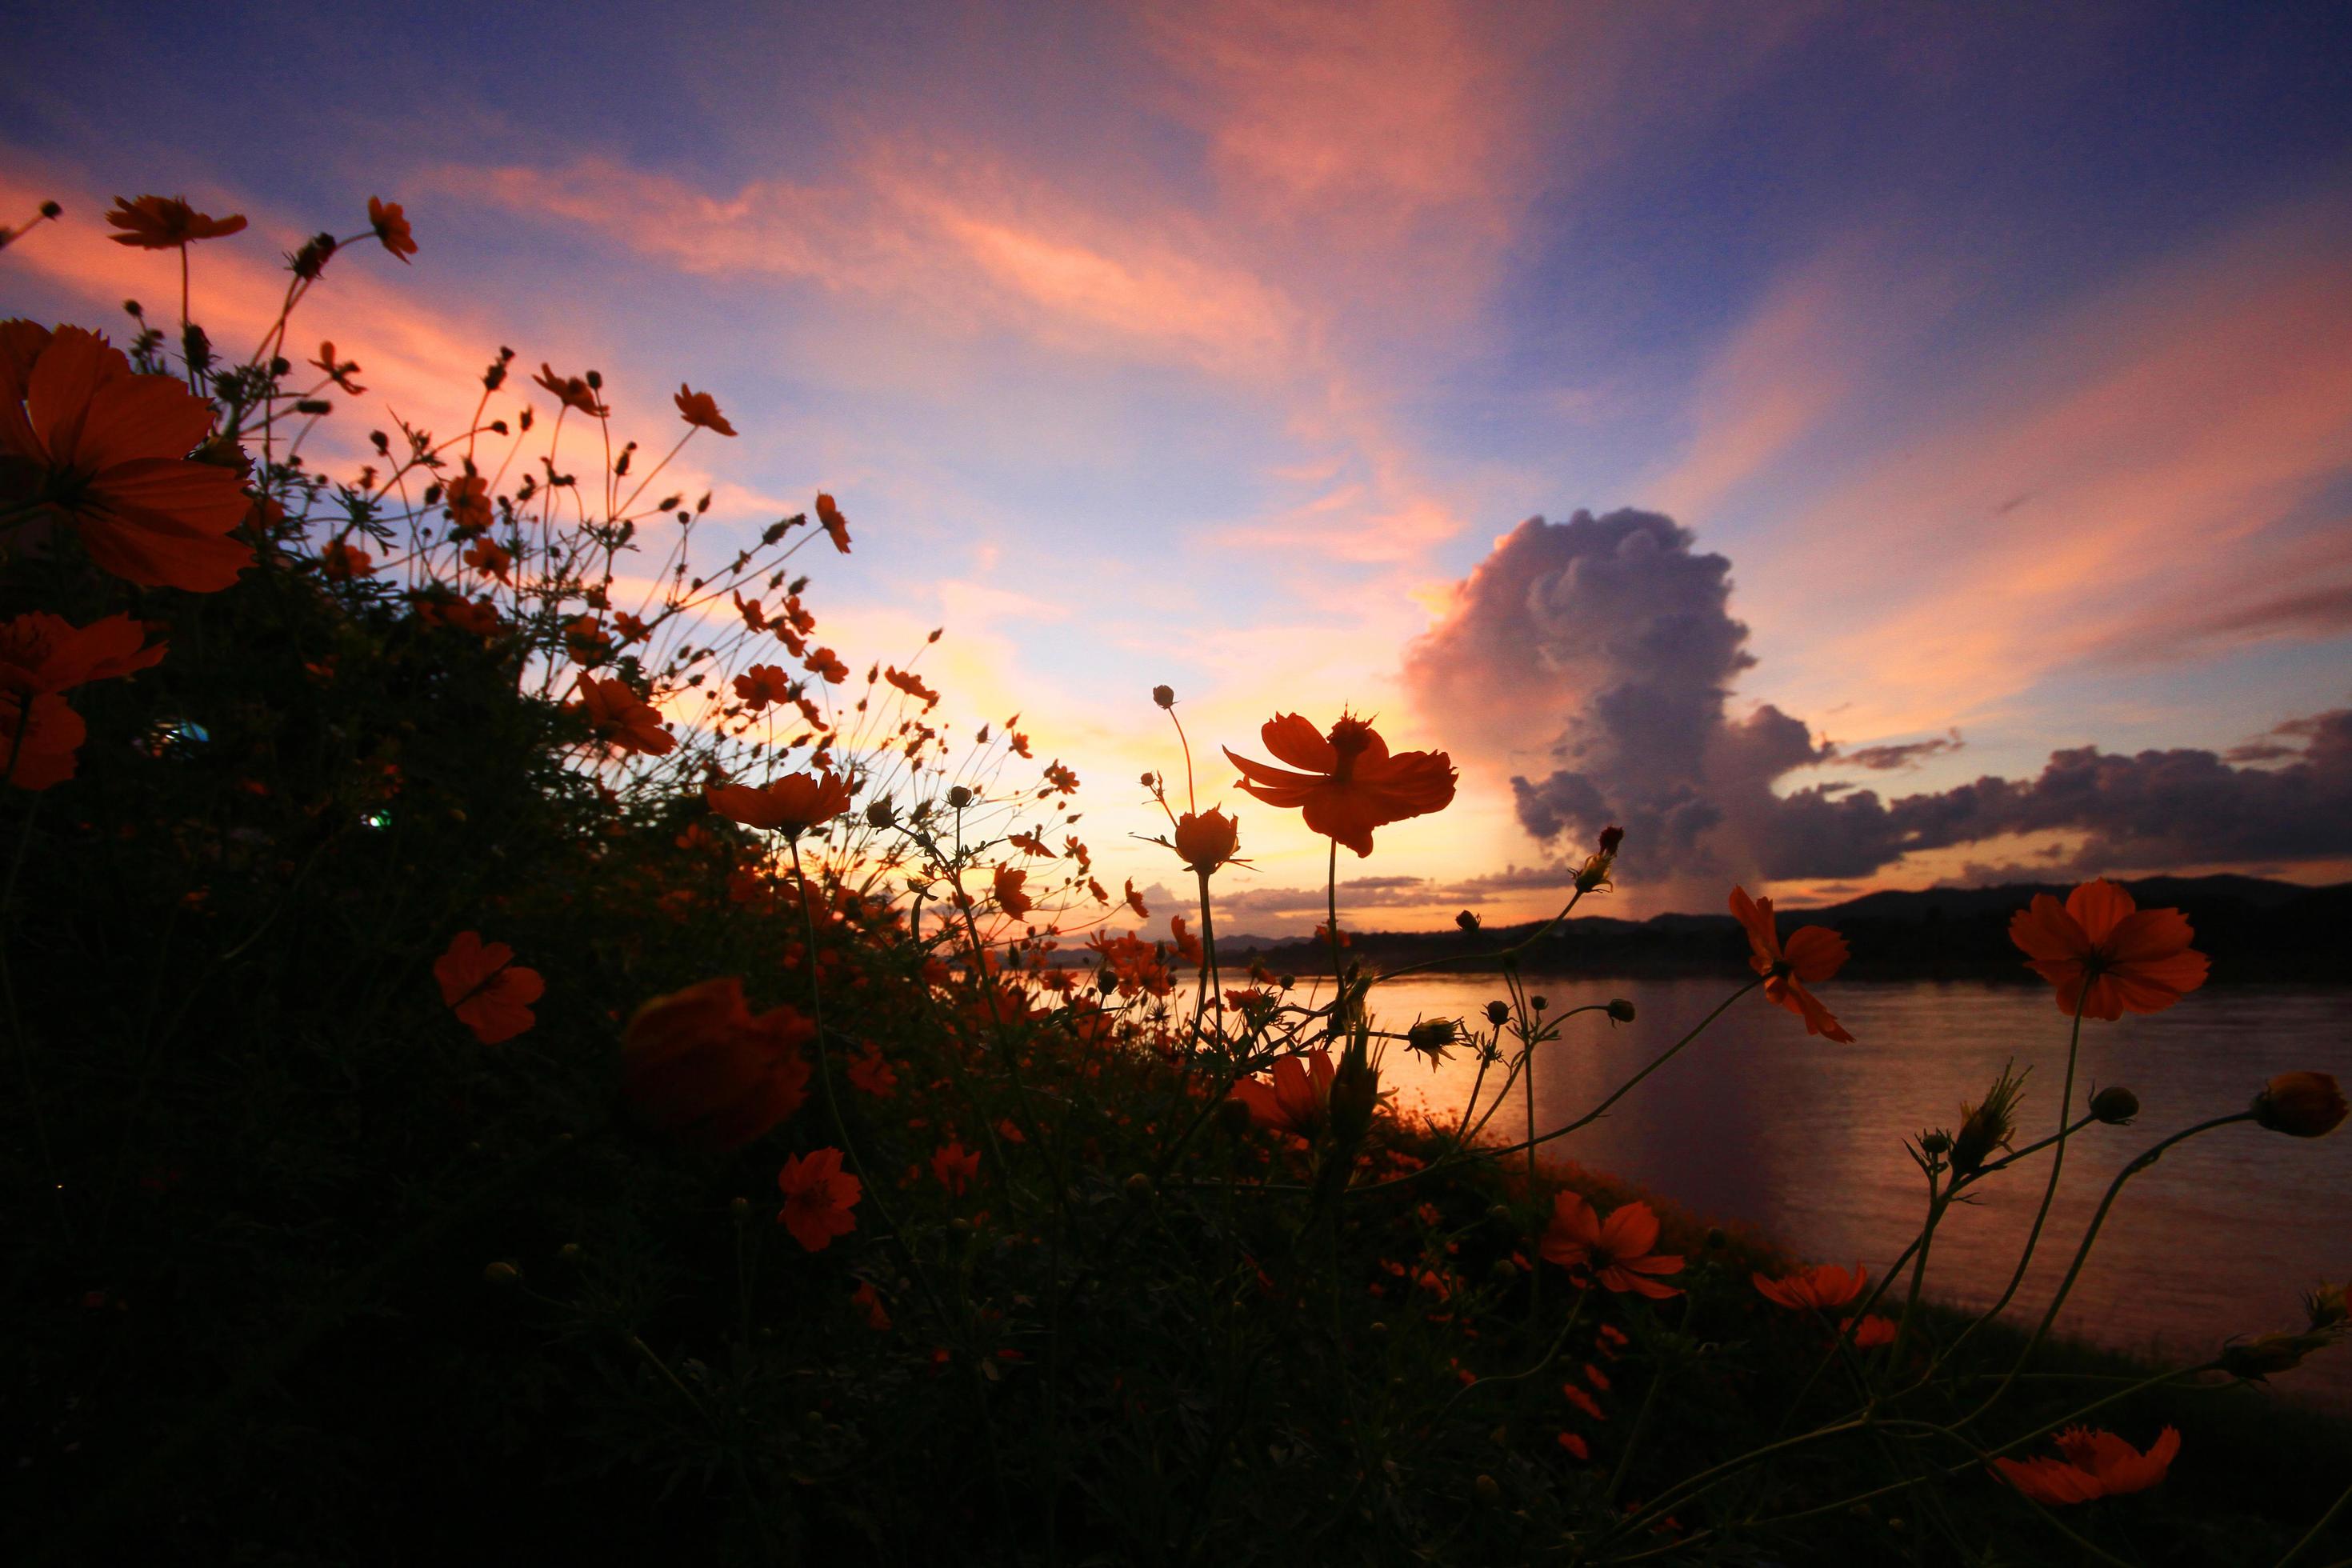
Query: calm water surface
column 1803, row 1138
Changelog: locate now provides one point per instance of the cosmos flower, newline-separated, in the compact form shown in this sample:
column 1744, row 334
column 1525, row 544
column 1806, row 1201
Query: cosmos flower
column 166, row 223
column 1820, row 1287
column 700, row 410
column 955, row 1166
column 791, row 805
column 490, row 994
column 1348, row 783
column 699, row 1064
column 2105, row 954
column 1813, row 955
column 390, row 227
column 1298, row 1101
column 836, row 526
column 82, row 437
column 1616, row 1250
column 623, row 719
column 1006, row 885
column 2090, row 1464
column 818, row 1197
column 40, row 652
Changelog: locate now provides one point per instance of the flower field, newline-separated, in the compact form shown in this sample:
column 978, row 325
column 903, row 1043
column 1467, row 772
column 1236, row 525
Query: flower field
column 520, row 1049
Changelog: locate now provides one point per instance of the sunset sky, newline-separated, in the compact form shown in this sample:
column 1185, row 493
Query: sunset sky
column 1947, row 390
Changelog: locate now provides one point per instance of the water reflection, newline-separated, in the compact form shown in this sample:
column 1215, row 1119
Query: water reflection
column 1803, row 1138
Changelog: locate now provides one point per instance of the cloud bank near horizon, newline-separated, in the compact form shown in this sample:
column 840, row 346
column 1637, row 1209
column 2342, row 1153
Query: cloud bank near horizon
column 1597, row 656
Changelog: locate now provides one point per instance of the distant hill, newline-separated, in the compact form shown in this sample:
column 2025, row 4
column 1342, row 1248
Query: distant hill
column 2253, row 928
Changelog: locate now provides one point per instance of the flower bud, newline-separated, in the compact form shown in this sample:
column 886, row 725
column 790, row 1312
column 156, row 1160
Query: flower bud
column 569, row 1252
column 2266, row 1354
column 2325, row 1306
column 1498, row 1013
column 2300, row 1104
column 1612, row 836
column 1467, row 921
column 501, row 1273
column 1936, row 1143
column 1164, row 695
column 880, row 813
column 1538, row 1002
column 959, row 798
column 2114, row 1105
column 1431, row 1037
column 1503, row 1271
column 1138, row 1186
column 1490, row 1491
column 1207, row 841
column 1621, row 1009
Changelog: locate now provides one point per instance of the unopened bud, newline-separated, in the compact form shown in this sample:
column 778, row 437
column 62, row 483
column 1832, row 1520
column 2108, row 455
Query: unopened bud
column 959, row 798
column 501, row 1273
column 569, row 1252
column 1621, row 1009
column 1503, row 1271
column 1937, row 1144
column 1490, row 1491
column 2263, row 1354
column 2300, row 1104
column 2114, row 1105
column 1164, row 695
column 1612, row 836
column 881, row 813
column 1467, row 921
column 1498, row 1013
column 1138, row 1188
column 2325, row 1306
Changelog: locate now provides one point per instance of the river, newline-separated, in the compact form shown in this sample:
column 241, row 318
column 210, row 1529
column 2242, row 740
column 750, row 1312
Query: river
column 1803, row 1138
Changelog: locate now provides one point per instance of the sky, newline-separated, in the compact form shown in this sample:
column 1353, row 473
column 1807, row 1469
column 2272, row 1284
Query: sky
column 1850, row 445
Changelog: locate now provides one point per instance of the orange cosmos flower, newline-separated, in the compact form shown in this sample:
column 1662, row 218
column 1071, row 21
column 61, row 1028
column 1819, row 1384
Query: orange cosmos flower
column 700, row 410
column 1616, row 1250
column 699, row 1065
column 1298, row 1099
column 1821, row 1287
column 41, row 652
column 338, row 372
column 166, row 223
column 791, row 805
column 871, row 1073
column 2105, row 954
column 955, row 1166
column 1135, row 901
column 867, row 1300
column 484, row 986
column 584, row 641
column 623, row 719
column 467, row 498
column 912, row 685
column 826, row 664
column 1351, row 784
column 490, row 558
column 390, row 227
column 571, row 390
column 1188, row 946
column 40, row 739
column 83, row 437
column 2090, row 1464
column 1009, row 896
column 835, row 525
column 1813, row 955
column 338, row 562
column 1869, row 1333
column 763, row 684
column 1207, row 841
column 818, row 1197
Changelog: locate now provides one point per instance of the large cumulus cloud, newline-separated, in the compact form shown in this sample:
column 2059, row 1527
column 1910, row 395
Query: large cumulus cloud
column 1596, row 656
